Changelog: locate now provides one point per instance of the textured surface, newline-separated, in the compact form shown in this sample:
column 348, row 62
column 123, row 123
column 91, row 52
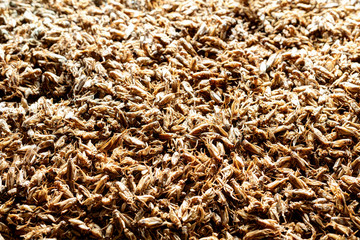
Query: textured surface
column 179, row 120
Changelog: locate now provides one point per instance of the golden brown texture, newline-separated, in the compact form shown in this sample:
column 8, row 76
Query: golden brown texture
column 179, row 119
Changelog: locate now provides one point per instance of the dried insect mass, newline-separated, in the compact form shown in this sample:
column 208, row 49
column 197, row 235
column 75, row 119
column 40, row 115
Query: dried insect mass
column 179, row 119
